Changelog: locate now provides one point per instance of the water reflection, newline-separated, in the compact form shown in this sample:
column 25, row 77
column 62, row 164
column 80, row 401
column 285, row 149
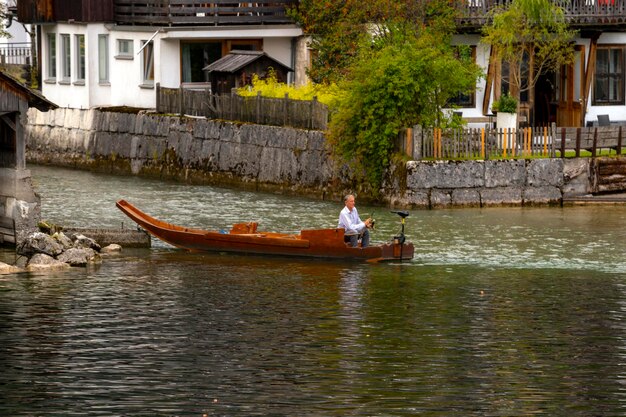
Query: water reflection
column 503, row 312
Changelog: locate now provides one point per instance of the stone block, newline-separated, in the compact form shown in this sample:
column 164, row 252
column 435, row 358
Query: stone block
column 466, row 197
column 213, row 129
column 316, row 140
column 121, row 144
column 88, row 118
column 277, row 165
column 59, row 117
column 542, row 195
column 417, row 198
column 199, row 128
column 255, row 135
column 210, row 153
column 440, row 198
column 114, row 121
column 576, row 177
column 505, row 173
column 501, row 196
column 228, row 133
column 445, row 174
column 313, row 167
column 541, row 172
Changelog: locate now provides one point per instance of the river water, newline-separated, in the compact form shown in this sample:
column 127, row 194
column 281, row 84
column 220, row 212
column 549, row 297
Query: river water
column 503, row 312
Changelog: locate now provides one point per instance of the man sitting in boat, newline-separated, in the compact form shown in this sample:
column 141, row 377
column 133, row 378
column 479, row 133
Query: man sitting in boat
column 355, row 228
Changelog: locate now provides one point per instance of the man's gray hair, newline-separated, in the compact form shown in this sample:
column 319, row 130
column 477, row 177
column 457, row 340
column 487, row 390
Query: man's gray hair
column 347, row 197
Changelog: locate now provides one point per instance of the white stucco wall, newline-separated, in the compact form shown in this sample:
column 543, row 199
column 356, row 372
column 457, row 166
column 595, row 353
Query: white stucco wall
column 125, row 73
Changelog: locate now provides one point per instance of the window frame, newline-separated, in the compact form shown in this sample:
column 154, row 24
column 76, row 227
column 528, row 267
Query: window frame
column 103, row 59
column 51, row 70
column 147, row 64
column 66, row 55
column 125, row 54
column 608, row 76
column 80, row 62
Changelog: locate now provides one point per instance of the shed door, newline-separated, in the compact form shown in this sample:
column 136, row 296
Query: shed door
column 571, row 84
column 8, row 140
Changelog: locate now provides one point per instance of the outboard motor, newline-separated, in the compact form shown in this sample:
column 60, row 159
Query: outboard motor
column 400, row 239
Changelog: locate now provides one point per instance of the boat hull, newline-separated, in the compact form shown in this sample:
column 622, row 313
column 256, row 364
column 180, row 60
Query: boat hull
column 245, row 239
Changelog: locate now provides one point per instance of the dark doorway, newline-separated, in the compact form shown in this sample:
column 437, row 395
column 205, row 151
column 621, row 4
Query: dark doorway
column 545, row 100
column 8, row 141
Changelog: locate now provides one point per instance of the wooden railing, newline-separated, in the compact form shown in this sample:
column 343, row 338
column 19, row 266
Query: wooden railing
column 15, row 54
column 195, row 12
column 261, row 110
column 578, row 13
column 485, row 143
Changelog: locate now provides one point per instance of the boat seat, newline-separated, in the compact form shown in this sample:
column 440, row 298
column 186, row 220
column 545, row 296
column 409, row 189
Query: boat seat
column 244, row 228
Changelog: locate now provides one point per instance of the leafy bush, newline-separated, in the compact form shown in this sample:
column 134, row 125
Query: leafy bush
column 270, row 87
column 405, row 81
column 505, row 104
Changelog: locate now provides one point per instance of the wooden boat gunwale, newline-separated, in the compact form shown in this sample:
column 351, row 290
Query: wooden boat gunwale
column 244, row 238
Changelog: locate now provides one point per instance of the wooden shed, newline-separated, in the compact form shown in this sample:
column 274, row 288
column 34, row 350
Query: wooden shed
column 236, row 69
column 19, row 205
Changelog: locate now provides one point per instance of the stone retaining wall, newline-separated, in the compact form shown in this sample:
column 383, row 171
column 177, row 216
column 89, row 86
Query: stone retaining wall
column 189, row 149
column 285, row 159
column 490, row 183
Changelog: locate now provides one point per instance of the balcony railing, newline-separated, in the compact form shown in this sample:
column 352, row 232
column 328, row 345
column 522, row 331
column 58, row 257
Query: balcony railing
column 578, row 13
column 195, row 12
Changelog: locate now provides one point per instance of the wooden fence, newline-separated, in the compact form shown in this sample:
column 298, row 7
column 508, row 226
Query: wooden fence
column 462, row 144
column 261, row 110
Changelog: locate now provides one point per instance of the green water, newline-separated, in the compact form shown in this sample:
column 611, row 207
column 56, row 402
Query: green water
column 503, row 312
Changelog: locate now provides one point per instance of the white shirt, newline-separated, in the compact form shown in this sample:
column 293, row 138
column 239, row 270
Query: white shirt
column 350, row 221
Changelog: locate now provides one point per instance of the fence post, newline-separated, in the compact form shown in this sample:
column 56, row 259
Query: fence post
column 563, row 142
column 286, row 110
column 577, row 142
column 595, row 142
column 619, row 141
column 553, row 141
column 259, row 100
column 313, row 103
column 158, row 98
column 417, row 142
column 181, row 100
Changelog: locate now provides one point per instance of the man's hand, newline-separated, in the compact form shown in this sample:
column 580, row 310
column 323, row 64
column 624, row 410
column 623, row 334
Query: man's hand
column 368, row 223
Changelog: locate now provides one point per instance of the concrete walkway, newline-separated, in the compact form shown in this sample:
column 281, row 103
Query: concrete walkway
column 610, row 198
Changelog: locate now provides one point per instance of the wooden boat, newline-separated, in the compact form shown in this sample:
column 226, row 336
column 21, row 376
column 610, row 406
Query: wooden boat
column 245, row 238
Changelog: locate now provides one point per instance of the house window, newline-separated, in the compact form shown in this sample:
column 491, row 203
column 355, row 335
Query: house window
column 66, row 58
column 80, row 58
column 124, row 49
column 466, row 54
column 609, row 77
column 147, row 63
column 196, row 56
column 103, row 58
column 52, row 56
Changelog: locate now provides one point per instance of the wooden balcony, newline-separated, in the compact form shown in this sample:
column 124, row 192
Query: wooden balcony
column 155, row 12
column 200, row 13
column 580, row 14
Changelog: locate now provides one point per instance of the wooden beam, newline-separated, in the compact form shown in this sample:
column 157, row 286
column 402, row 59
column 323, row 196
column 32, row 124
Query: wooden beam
column 491, row 70
column 589, row 71
column 7, row 120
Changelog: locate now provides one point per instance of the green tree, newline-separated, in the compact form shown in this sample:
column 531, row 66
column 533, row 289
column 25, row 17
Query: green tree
column 402, row 78
column 339, row 28
column 532, row 36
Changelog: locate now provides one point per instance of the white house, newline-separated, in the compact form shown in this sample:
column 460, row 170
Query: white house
column 110, row 53
column 575, row 95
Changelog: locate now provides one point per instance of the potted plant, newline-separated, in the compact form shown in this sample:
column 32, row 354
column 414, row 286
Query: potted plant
column 505, row 109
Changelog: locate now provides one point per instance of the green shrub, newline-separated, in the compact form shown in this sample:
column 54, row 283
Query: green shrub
column 505, row 104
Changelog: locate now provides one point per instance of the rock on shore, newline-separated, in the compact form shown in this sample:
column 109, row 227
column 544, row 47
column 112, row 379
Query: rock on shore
column 58, row 251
